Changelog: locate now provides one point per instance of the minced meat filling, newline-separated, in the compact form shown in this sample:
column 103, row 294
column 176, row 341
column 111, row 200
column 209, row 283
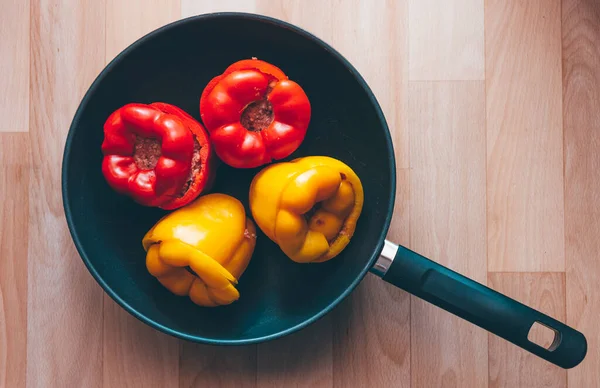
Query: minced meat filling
column 196, row 168
column 146, row 152
column 257, row 116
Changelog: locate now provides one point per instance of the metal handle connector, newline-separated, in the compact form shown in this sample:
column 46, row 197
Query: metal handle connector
column 386, row 258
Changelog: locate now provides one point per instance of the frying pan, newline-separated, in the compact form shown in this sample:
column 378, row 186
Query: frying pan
column 173, row 64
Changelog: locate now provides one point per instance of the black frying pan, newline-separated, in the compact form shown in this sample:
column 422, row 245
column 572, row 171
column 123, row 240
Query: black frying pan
column 278, row 296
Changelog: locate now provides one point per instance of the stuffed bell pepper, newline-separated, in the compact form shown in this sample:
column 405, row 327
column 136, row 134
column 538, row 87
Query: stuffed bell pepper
column 309, row 206
column 254, row 114
column 157, row 154
column 202, row 249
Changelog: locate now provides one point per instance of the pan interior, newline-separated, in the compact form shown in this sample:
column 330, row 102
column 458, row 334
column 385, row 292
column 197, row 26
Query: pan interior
column 173, row 65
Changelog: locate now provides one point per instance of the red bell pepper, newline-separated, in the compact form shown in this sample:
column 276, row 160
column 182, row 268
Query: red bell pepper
column 204, row 163
column 157, row 154
column 254, row 114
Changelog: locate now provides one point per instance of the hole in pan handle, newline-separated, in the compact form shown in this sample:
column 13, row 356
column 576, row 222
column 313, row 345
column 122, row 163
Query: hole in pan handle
column 478, row 304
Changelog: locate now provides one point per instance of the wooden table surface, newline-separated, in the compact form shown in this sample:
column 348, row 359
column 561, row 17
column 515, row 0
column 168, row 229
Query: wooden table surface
column 495, row 111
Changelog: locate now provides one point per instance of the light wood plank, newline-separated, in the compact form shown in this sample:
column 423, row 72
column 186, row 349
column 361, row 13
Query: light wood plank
column 524, row 136
column 64, row 306
column 14, row 149
column 303, row 359
column 447, row 192
column 446, row 40
column 509, row 365
column 366, row 337
column 14, row 215
column 581, row 88
column 14, row 66
column 217, row 366
column 136, row 355
column 371, row 340
column 373, row 37
column 197, row 7
column 127, row 21
column 211, row 366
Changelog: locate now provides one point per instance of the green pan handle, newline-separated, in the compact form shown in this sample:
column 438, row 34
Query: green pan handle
column 478, row 304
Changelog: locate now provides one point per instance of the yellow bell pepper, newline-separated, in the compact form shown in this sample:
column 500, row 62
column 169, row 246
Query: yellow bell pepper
column 212, row 237
column 308, row 206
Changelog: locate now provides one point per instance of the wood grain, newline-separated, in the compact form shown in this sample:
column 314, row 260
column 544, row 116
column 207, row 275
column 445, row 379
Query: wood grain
column 581, row 88
column 215, row 366
column 511, row 366
column 447, row 224
column 127, row 21
column 211, row 366
column 373, row 37
column 14, row 213
column 58, row 330
column 446, row 40
column 14, row 66
column 136, row 355
column 197, row 7
column 371, row 340
column 64, row 306
column 525, row 209
column 303, row 359
column 14, row 151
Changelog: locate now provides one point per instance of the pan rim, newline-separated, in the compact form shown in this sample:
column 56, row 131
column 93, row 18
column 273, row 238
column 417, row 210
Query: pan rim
column 69, row 215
